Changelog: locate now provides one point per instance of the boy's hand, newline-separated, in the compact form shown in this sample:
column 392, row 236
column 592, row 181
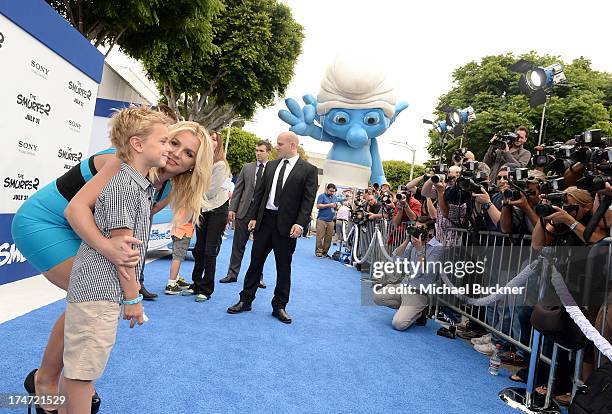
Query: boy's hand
column 133, row 313
column 120, row 251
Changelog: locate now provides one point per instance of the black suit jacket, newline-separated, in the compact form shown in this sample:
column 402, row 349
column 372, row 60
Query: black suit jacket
column 296, row 200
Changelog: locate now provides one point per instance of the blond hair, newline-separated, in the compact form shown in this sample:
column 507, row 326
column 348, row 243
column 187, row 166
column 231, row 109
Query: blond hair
column 133, row 122
column 189, row 186
column 583, row 197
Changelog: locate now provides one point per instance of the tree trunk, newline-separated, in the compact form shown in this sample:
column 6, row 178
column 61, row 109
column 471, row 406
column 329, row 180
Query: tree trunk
column 80, row 9
column 73, row 22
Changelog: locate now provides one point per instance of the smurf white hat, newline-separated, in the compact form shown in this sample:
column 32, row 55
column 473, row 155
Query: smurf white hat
column 355, row 85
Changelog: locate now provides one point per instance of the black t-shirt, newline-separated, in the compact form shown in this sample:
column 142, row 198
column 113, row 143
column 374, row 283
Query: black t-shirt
column 374, row 209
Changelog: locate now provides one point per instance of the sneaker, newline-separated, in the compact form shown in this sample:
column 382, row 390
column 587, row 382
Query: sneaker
column 468, row 334
column 189, row 291
column 182, row 283
column 486, row 349
column 482, row 340
column 173, row 290
column 201, row 297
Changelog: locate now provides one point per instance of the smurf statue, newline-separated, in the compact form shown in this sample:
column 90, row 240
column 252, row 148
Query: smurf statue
column 355, row 105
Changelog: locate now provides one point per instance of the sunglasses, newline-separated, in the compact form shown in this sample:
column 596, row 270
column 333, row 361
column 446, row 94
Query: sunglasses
column 505, row 177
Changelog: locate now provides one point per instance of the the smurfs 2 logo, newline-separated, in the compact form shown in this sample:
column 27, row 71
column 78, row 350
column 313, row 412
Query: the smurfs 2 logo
column 78, row 89
column 29, row 101
column 1, row 39
column 69, row 155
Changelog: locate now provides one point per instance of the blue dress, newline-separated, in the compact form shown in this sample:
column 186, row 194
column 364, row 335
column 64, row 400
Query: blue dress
column 40, row 230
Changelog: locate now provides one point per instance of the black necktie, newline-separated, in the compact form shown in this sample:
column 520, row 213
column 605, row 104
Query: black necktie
column 279, row 183
column 259, row 173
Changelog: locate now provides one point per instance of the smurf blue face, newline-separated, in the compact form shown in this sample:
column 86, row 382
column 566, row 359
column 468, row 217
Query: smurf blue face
column 357, row 125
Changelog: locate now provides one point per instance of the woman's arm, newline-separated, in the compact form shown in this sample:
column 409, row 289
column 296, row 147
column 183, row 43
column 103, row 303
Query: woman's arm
column 161, row 205
column 79, row 214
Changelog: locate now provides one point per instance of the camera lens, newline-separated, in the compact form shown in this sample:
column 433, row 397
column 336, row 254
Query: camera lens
column 543, row 210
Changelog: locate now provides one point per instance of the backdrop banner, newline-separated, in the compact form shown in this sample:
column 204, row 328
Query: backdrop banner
column 47, row 105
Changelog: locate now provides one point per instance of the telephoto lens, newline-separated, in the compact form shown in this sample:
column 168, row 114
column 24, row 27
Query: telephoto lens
column 436, row 178
column 512, row 194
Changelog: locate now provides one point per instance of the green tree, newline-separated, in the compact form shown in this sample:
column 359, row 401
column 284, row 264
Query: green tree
column 492, row 90
column 398, row 172
column 254, row 50
column 241, row 148
column 140, row 26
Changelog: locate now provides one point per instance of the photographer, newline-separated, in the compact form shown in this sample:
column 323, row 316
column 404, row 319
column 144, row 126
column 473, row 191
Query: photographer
column 422, row 247
column 487, row 208
column 575, row 220
column 451, row 206
column 508, row 149
column 518, row 215
column 407, row 208
column 374, row 208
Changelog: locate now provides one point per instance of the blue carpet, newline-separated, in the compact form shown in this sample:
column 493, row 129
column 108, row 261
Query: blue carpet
column 337, row 356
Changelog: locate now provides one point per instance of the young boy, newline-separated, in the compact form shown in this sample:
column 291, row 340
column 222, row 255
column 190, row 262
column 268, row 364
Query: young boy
column 181, row 238
column 95, row 291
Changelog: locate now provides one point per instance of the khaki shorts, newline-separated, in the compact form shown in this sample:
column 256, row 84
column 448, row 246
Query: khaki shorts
column 90, row 330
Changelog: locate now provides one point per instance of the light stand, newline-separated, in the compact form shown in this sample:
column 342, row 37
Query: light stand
column 542, row 121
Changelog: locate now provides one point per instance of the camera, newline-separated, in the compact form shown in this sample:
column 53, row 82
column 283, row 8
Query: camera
column 459, row 154
column 415, row 232
column 504, row 138
column 552, row 184
column 593, row 183
column 557, row 199
column 386, row 198
column 590, row 138
column 467, row 184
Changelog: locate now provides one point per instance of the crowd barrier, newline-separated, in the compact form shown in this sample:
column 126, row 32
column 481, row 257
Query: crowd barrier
column 510, row 262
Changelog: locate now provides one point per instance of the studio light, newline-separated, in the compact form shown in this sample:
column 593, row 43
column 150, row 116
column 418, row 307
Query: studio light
column 536, row 81
column 461, row 117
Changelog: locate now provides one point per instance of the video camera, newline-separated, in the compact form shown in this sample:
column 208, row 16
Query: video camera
column 504, row 138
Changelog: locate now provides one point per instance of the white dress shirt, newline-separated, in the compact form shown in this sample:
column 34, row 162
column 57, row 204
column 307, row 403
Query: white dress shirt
column 270, row 204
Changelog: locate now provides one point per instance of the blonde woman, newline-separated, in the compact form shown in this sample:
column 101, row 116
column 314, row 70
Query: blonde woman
column 60, row 214
column 209, row 229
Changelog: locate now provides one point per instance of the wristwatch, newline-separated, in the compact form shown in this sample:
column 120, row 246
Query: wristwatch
column 485, row 206
column 573, row 226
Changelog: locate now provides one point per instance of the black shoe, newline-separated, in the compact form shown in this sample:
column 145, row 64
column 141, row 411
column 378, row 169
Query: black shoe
column 239, row 308
column 146, row 295
column 281, row 315
column 30, row 386
column 229, row 279
column 422, row 320
column 95, row 403
column 262, row 285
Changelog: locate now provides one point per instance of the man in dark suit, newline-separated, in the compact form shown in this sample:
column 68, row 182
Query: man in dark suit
column 280, row 210
column 242, row 199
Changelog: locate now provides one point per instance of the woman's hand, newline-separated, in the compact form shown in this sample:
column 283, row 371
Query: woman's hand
column 120, row 252
column 560, row 217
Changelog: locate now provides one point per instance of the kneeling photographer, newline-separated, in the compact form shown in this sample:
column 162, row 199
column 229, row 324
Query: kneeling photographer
column 420, row 247
column 507, row 149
